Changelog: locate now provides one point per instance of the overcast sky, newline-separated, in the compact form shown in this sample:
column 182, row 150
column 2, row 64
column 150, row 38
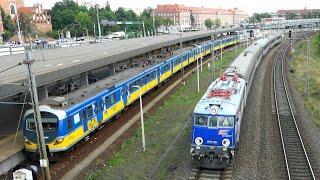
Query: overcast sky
column 250, row 6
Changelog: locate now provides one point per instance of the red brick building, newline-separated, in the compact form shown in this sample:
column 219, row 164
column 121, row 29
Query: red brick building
column 180, row 15
column 10, row 6
column 40, row 17
column 1, row 28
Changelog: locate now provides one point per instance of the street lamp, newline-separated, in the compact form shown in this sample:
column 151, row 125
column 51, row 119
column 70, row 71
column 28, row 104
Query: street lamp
column 198, row 76
column 142, row 123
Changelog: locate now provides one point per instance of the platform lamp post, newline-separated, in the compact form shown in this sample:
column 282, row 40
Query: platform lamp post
column 181, row 58
column 142, row 122
column 44, row 163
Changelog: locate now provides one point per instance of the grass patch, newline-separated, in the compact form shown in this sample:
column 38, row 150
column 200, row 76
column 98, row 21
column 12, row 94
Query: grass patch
column 161, row 127
column 312, row 103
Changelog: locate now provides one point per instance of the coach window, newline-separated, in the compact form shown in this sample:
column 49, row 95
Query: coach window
column 213, row 121
column 90, row 112
column 96, row 107
column 200, row 120
column 142, row 81
column 107, row 102
column 113, row 98
column 148, row 77
column 130, row 88
column 69, row 123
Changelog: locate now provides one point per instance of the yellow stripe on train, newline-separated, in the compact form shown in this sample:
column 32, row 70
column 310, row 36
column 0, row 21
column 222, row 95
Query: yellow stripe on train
column 165, row 75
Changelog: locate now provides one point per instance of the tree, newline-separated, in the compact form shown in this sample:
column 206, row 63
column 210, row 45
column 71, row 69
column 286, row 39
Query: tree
column 63, row 13
column 8, row 26
column 27, row 26
column 208, row 23
column 217, row 22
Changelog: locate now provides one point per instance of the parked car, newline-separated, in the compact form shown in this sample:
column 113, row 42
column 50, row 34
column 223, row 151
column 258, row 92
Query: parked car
column 40, row 41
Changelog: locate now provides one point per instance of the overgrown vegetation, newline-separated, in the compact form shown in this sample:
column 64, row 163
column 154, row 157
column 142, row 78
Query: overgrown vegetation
column 8, row 26
column 161, row 127
column 312, row 103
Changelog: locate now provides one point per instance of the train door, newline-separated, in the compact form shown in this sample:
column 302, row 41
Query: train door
column 84, row 120
column 98, row 110
column 124, row 94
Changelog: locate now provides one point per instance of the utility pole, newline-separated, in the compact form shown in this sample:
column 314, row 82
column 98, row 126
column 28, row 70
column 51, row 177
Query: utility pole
column 182, row 68
column 212, row 57
column 44, row 163
column 221, row 51
column 154, row 27
column 308, row 69
column 98, row 22
column 144, row 30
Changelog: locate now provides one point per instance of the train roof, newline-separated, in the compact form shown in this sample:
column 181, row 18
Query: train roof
column 87, row 92
column 227, row 105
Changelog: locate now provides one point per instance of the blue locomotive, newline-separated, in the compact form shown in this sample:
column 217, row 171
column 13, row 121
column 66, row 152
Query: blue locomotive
column 217, row 116
column 70, row 118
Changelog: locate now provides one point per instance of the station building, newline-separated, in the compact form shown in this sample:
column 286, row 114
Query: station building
column 180, row 15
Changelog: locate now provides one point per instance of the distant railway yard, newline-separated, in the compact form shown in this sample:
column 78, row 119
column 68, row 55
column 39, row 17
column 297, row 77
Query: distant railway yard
column 94, row 132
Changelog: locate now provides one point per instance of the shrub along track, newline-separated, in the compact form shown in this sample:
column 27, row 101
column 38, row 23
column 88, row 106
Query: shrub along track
column 73, row 164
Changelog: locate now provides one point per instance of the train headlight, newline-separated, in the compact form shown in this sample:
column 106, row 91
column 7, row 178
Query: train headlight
column 58, row 141
column 225, row 142
column 198, row 141
column 213, row 110
column 27, row 141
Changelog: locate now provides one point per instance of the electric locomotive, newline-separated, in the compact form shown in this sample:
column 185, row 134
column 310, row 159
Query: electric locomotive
column 216, row 121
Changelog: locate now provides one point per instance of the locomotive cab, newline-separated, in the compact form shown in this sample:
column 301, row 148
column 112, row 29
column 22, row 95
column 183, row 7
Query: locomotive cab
column 214, row 139
column 51, row 124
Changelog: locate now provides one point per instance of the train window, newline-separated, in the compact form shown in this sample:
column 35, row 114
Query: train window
column 69, row 123
column 148, row 77
column 113, row 98
column 96, row 107
column 107, row 102
column 225, row 121
column 200, row 120
column 90, row 111
column 142, row 81
column 138, row 82
column 213, row 121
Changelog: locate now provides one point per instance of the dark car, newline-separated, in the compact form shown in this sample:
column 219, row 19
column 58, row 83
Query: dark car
column 40, row 41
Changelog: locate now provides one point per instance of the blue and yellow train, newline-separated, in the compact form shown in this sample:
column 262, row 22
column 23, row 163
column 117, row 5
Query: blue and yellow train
column 69, row 119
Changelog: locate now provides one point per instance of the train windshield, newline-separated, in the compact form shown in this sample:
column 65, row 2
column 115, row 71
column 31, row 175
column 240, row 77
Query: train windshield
column 49, row 122
column 214, row 121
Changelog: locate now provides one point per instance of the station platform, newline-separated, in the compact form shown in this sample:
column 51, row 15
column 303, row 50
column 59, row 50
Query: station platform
column 11, row 153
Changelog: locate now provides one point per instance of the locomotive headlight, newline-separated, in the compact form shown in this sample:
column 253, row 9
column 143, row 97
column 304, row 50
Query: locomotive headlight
column 225, row 142
column 213, row 110
column 198, row 141
column 58, row 141
column 27, row 141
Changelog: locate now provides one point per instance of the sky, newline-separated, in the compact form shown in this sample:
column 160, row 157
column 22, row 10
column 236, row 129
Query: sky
column 249, row 6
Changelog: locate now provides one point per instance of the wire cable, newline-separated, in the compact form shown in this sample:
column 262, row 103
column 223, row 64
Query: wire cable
column 20, row 63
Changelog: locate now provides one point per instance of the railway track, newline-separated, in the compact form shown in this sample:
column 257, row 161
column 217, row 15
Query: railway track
column 212, row 174
column 297, row 161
